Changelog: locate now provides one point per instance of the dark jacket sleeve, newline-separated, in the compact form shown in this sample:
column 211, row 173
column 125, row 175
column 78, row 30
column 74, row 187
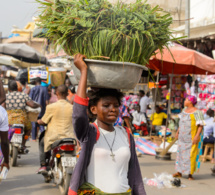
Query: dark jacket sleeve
column 80, row 119
column 31, row 94
column 2, row 93
column 134, row 174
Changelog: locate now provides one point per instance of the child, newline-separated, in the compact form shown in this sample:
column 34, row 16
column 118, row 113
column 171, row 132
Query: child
column 107, row 162
column 139, row 121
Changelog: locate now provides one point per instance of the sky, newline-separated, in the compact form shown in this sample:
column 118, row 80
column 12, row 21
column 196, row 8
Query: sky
column 16, row 12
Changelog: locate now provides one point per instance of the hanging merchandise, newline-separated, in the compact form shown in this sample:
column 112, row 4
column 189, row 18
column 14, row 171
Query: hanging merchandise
column 178, row 92
column 206, row 93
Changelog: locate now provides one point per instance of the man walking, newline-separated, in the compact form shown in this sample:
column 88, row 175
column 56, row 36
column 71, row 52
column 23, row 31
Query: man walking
column 40, row 95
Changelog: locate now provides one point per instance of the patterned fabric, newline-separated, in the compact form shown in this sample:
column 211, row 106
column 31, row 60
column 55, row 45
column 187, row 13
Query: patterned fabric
column 123, row 112
column 19, row 117
column 187, row 160
column 192, row 98
column 131, row 101
column 16, row 100
column 87, row 189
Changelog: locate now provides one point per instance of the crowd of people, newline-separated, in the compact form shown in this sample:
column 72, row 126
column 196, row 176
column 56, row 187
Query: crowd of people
column 102, row 121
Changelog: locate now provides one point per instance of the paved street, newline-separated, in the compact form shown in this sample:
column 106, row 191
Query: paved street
column 23, row 179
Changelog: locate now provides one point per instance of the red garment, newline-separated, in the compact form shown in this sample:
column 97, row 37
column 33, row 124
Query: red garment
column 142, row 128
column 19, row 86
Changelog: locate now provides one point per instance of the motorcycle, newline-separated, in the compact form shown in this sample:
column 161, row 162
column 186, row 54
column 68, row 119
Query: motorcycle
column 62, row 163
column 16, row 143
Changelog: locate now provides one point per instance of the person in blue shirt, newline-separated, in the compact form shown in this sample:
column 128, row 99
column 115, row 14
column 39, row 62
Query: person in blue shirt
column 40, row 95
column 209, row 129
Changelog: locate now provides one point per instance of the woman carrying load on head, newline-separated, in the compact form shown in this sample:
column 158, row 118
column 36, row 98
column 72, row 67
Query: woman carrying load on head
column 108, row 163
column 190, row 139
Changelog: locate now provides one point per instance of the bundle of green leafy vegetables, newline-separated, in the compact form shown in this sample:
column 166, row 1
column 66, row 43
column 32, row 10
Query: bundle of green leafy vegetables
column 101, row 30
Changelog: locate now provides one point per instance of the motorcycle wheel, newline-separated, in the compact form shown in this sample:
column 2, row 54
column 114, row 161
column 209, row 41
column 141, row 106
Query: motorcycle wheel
column 14, row 156
column 64, row 186
column 47, row 179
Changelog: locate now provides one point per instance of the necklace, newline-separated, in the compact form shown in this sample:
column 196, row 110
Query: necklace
column 111, row 147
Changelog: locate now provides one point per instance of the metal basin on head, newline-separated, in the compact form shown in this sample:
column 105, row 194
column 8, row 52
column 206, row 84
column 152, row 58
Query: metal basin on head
column 111, row 74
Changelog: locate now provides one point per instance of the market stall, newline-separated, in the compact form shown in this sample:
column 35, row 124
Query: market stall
column 178, row 60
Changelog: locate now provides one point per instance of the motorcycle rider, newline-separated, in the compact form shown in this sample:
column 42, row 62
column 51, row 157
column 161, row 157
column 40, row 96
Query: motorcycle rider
column 16, row 103
column 58, row 118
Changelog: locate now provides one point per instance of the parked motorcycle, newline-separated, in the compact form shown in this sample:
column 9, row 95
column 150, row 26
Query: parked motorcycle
column 16, row 144
column 61, row 164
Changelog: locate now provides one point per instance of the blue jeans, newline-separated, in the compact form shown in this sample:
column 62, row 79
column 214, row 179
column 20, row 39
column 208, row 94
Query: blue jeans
column 34, row 130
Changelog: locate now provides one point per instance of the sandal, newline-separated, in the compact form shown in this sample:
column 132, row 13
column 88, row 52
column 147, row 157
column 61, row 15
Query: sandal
column 177, row 174
column 190, row 177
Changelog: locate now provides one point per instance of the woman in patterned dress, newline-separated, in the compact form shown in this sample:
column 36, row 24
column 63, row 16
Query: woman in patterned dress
column 190, row 139
column 15, row 105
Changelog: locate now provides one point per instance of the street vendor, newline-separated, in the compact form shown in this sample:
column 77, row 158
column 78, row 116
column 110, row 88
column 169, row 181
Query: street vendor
column 190, row 139
column 157, row 119
column 139, row 121
column 108, row 163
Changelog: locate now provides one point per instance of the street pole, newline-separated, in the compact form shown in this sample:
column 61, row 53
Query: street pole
column 187, row 18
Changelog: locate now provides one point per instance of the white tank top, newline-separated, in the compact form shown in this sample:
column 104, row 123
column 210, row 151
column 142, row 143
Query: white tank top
column 110, row 176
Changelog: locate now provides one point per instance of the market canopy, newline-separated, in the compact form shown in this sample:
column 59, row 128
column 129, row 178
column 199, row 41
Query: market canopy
column 13, row 62
column 23, row 52
column 181, row 60
column 7, row 61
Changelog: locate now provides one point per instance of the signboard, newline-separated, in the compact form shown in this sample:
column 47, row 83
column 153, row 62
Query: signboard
column 38, row 73
column 41, row 73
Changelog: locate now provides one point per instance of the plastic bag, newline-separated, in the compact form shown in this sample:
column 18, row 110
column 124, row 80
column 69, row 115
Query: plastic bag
column 163, row 180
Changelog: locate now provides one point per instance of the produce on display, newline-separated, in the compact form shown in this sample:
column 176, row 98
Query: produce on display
column 101, row 30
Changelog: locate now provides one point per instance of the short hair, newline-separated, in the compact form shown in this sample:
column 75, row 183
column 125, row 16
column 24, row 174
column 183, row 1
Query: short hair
column 12, row 85
column 157, row 106
column 210, row 112
column 96, row 94
column 38, row 80
column 72, row 89
column 23, row 81
column 141, row 91
column 62, row 90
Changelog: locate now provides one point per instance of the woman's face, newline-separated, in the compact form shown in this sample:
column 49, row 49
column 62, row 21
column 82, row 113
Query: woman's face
column 107, row 110
column 187, row 102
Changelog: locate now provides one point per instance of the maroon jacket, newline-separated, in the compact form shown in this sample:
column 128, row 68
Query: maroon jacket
column 2, row 93
column 87, row 135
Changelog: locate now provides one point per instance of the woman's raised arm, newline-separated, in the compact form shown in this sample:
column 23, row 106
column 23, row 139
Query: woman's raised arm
column 80, row 118
column 81, row 65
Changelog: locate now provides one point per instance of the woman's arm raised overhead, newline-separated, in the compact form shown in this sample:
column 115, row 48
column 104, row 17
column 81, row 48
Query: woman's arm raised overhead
column 80, row 118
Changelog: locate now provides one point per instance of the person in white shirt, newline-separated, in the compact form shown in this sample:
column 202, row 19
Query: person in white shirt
column 144, row 102
column 139, row 121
